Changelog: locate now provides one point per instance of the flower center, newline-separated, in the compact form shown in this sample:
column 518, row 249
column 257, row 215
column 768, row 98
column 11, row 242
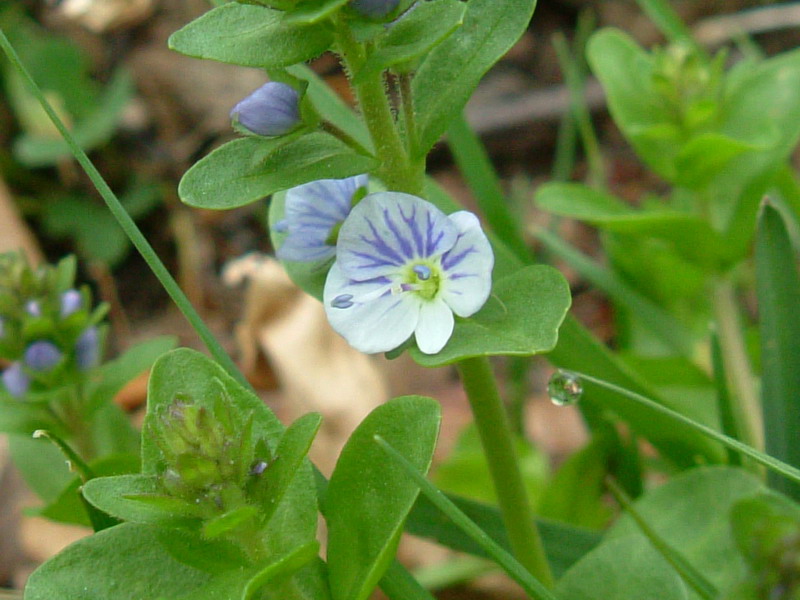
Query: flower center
column 423, row 278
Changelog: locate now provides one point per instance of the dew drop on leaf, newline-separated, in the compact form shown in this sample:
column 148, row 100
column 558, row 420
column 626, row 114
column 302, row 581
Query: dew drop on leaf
column 564, row 388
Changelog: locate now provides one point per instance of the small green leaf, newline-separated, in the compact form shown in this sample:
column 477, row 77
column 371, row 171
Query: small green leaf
column 233, row 519
column 423, row 28
column 620, row 570
column 705, row 157
column 564, row 544
column 450, row 73
column 289, row 456
column 778, row 292
column 691, row 236
column 251, row 36
column 249, row 169
column 140, row 499
column 127, row 562
column 690, row 513
column 369, row 496
column 521, row 318
column 313, row 11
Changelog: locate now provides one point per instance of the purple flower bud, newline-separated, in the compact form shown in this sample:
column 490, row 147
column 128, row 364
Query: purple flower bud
column 374, row 9
column 273, row 109
column 87, row 349
column 42, row 356
column 16, row 380
column 71, row 302
column 33, row 308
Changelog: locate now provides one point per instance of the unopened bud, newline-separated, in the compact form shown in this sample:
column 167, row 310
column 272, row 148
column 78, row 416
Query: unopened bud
column 273, row 109
column 71, row 302
column 42, row 356
column 33, row 308
column 16, row 381
column 374, row 9
column 87, row 349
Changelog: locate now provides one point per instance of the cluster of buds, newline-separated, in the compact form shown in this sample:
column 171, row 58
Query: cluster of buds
column 49, row 336
column 208, row 455
column 689, row 84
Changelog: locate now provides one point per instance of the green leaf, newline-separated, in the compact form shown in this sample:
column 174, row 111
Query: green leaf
column 705, row 157
column 369, row 496
column 450, row 73
column 91, row 131
column 251, row 36
column 68, row 507
column 289, row 456
column 328, row 103
column 626, row 72
column 313, row 11
column 691, row 236
column 564, row 544
column 578, row 350
column 466, row 472
column 620, row 570
column 41, row 464
column 577, row 491
column 249, row 169
column 763, row 523
column 778, row 292
column 424, row 27
column 690, row 513
column 521, row 318
column 126, row 562
column 140, row 499
column 22, row 418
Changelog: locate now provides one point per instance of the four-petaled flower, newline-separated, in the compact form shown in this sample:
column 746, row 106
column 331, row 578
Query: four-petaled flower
column 403, row 267
column 314, row 211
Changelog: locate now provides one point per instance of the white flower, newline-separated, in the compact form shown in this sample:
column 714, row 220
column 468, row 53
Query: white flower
column 313, row 213
column 403, row 267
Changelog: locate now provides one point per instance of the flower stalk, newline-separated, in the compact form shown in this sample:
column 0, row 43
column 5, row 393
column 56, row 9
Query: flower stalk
column 497, row 440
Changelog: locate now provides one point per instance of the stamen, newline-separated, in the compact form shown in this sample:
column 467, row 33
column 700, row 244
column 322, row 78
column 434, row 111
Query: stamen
column 422, row 271
column 342, row 301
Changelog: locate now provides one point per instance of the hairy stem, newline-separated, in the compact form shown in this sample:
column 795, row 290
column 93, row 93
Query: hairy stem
column 498, row 445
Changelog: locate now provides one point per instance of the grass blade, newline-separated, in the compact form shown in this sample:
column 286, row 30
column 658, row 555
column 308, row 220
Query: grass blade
column 509, row 564
column 778, row 291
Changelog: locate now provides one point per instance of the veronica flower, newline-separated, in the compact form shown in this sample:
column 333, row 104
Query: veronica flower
column 403, row 267
column 314, row 211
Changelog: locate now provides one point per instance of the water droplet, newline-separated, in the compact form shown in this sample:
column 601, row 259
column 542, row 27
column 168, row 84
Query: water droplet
column 565, row 388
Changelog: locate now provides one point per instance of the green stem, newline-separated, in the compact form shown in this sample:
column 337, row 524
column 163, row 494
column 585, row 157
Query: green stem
column 127, row 223
column 747, row 411
column 409, row 118
column 498, row 446
column 396, row 170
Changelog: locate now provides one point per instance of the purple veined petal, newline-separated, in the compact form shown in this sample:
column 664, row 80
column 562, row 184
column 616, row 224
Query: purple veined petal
column 435, row 326
column 42, row 355
column 387, row 230
column 15, row 380
column 312, row 211
column 375, row 319
column 71, row 302
column 467, row 267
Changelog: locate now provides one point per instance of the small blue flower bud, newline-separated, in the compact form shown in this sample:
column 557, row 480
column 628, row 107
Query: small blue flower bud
column 87, row 349
column 71, row 302
column 374, row 9
column 33, row 308
column 42, row 356
column 16, row 380
column 273, row 109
